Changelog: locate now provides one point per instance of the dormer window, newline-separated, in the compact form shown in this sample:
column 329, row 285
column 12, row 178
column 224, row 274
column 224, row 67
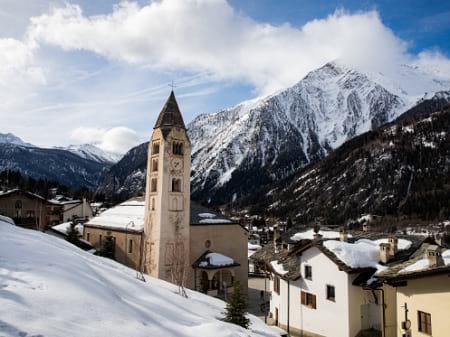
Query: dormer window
column 177, row 148
column 155, row 148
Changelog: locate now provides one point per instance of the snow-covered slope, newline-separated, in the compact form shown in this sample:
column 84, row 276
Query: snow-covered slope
column 9, row 138
column 93, row 152
column 50, row 288
column 268, row 138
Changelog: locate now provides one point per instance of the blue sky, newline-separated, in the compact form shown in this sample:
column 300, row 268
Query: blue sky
column 94, row 71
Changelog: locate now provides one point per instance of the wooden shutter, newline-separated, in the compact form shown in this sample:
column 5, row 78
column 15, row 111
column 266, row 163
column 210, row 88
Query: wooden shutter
column 303, row 297
column 313, row 301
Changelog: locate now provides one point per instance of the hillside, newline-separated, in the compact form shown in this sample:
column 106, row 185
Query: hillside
column 52, row 164
column 399, row 170
column 49, row 287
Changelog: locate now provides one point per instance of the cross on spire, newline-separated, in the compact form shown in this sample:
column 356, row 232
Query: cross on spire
column 172, row 85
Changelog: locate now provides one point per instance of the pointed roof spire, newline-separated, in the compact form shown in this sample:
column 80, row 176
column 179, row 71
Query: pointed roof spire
column 170, row 115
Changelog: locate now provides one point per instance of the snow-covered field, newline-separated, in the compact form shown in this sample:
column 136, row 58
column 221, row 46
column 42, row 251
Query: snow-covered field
column 50, row 288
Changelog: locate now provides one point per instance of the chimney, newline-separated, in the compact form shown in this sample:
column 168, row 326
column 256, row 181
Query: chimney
column 393, row 243
column 366, row 227
column 434, row 256
column 343, row 234
column 385, row 253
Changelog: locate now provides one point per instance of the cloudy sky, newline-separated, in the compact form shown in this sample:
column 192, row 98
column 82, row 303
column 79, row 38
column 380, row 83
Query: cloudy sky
column 78, row 71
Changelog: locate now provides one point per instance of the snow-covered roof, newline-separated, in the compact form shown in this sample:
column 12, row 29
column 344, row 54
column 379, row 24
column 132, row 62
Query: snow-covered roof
column 423, row 263
column 278, row 268
column 65, row 226
column 42, row 267
column 309, row 235
column 213, row 260
column 129, row 215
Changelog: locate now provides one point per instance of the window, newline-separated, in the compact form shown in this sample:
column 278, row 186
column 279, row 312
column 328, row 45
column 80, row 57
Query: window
column 176, row 185
column 177, row 148
column 308, row 272
column 19, row 204
column 153, row 185
column 154, row 165
column 331, row 293
column 30, row 214
column 100, row 239
column 276, row 285
column 308, row 299
column 155, row 148
column 424, row 322
column 88, row 237
column 130, row 246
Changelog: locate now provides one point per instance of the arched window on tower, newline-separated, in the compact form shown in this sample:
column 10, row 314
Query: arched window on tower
column 177, row 148
column 176, row 185
column 153, row 185
column 155, row 148
column 154, row 165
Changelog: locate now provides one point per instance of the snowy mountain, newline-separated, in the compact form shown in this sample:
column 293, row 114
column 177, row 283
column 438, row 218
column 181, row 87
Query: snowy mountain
column 240, row 149
column 9, row 138
column 51, row 288
column 400, row 171
column 93, row 152
column 237, row 150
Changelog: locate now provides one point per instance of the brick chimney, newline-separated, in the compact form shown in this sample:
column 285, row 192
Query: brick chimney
column 343, row 234
column 434, row 255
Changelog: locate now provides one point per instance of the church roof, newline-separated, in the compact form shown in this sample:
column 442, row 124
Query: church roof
column 129, row 216
column 170, row 115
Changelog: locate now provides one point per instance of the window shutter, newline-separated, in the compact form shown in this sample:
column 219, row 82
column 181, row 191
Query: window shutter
column 313, row 304
column 303, row 297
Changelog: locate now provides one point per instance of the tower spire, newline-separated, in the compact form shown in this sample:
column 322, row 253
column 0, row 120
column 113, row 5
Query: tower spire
column 170, row 115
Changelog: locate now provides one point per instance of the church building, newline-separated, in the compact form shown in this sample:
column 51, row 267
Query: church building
column 166, row 235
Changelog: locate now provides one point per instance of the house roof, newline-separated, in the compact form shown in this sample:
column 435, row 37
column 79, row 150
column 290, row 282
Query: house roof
column 348, row 257
column 19, row 191
column 201, row 216
column 415, row 267
column 170, row 115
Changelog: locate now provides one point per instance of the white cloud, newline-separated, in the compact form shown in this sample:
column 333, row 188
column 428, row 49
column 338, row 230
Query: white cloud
column 117, row 140
column 200, row 35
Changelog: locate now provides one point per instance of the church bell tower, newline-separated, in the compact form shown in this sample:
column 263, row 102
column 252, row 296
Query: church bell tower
column 167, row 196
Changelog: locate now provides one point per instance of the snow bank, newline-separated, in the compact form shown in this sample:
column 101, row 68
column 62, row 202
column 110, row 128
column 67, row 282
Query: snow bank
column 361, row 254
column 309, row 235
column 50, row 288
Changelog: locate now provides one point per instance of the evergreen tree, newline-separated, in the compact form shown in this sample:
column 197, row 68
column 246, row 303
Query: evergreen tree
column 108, row 247
column 288, row 224
column 72, row 234
column 236, row 308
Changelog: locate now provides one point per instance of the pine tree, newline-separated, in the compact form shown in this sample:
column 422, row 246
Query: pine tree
column 288, row 224
column 72, row 234
column 108, row 247
column 236, row 308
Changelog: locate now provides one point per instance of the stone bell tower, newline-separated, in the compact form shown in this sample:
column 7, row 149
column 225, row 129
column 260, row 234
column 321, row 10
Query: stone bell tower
column 167, row 197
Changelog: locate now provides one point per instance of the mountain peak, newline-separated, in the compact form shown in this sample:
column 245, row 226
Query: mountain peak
column 9, row 138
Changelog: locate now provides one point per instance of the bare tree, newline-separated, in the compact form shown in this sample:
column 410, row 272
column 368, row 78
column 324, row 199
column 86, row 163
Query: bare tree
column 178, row 267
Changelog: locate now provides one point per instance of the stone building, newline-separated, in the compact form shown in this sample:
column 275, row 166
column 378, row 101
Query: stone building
column 166, row 235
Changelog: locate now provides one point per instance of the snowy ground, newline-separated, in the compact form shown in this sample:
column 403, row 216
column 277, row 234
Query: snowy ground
column 51, row 288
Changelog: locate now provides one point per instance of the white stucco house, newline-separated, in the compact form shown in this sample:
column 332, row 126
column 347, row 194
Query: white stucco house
column 322, row 286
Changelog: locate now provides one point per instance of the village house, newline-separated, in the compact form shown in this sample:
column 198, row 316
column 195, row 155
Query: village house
column 418, row 294
column 26, row 209
column 166, row 235
column 72, row 208
column 323, row 284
